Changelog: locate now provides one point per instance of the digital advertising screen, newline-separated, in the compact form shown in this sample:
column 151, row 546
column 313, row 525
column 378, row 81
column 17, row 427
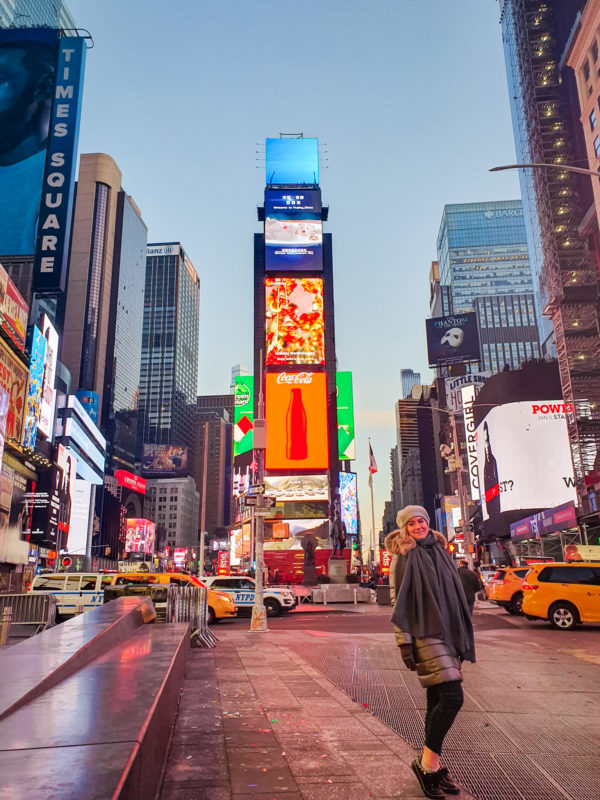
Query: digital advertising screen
column 345, row 416
column 295, row 327
column 48, row 400
column 164, row 459
column 140, row 536
column 13, row 309
column 28, row 59
column 290, row 488
column 453, row 339
column 243, row 414
column 13, row 378
column 348, row 501
column 34, row 390
column 524, row 457
column 292, row 161
column 293, row 230
column 296, row 413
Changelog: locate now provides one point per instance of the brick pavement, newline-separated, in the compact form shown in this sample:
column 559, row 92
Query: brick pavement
column 256, row 720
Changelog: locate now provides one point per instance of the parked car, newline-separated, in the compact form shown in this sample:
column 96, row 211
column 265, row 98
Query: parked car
column 565, row 594
column 242, row 590
column 220, row 604
column 505, row 588
column 74, row 591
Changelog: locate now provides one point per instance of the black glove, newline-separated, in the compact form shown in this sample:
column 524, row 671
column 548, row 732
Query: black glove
column 406, row 650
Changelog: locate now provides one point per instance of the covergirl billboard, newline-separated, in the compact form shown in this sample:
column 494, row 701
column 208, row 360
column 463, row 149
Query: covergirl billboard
column 524, row 457
column 295, row 328
column 296, row 413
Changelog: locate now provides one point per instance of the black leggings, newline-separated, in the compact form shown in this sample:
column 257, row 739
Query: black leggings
column 444, row 701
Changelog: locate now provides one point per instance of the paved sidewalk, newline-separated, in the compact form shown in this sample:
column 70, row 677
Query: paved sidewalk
column 257, row 721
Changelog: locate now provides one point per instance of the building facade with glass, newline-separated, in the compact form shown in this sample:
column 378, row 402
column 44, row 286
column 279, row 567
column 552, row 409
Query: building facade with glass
column 169, row 365
column 34, row 14
column 483, row 262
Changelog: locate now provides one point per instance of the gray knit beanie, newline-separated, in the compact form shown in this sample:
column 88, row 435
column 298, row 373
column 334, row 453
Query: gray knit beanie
column 408, row 512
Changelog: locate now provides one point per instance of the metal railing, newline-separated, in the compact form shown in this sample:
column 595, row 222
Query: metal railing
column 189, row 604
column 35, row 610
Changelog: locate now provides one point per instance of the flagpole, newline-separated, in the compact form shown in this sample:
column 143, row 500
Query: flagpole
column 372, row 540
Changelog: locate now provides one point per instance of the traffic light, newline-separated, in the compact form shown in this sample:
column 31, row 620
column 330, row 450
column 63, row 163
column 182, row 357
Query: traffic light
column 452, row 548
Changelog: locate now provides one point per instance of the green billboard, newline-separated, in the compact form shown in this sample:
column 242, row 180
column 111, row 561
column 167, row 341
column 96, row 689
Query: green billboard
column 345, row 416
column 243, row 414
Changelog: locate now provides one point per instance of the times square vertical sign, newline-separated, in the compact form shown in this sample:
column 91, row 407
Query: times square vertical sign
column 54, row 226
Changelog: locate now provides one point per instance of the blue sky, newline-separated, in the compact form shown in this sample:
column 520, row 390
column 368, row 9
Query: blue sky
column 408, row 98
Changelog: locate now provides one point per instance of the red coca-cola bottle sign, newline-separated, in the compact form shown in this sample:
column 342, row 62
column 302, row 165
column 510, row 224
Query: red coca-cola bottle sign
column 296, row 446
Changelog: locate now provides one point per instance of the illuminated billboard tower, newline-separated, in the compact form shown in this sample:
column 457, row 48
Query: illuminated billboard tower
column 294, row 331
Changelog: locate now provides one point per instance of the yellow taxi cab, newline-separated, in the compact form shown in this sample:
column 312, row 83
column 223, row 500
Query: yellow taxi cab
column 505, row 588
column 220, row 605
column 565, row 594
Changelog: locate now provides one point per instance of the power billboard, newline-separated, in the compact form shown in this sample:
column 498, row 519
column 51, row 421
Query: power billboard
column 243, row 414
column 524, row 457
column 348, row 501
column 296, row 413
column 292, row 162
column 166, row 460
column 295, row 326
column 293, row 230
column 452, row 339
column 48, row 399
column 345, row 416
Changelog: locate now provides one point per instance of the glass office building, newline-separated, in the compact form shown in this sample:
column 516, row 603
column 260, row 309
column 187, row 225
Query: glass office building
column 169, row 369
column 34, row 14
column 483, row 262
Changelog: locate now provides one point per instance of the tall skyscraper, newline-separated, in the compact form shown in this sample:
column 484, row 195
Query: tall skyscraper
column 169, row 369
column 34, row 13
column 484, row 267
column 560, row 230
column 409, row 379
column 102, row 343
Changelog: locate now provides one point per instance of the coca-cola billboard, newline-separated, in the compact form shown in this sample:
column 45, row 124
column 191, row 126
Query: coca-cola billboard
column 296, row 412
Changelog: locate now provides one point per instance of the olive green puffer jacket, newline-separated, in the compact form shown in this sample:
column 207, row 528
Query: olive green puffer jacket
column 435, row 662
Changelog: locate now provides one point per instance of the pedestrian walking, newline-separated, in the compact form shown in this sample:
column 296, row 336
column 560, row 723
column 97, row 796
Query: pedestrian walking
column 471, row 583
column 433, row 629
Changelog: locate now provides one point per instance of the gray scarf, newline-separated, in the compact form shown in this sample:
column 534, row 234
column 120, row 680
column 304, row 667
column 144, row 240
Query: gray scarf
column 431, row 601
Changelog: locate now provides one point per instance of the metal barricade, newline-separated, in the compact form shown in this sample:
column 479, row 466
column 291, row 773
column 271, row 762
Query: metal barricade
column 35, row 610
column 189, row 604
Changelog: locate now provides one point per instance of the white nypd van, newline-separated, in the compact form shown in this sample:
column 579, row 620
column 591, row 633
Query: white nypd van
column 242, row 589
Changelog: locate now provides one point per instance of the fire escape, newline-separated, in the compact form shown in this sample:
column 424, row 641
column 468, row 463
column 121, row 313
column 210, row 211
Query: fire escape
column 569, row 276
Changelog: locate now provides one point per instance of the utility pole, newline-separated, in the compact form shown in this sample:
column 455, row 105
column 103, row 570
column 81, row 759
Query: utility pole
column 258, row 622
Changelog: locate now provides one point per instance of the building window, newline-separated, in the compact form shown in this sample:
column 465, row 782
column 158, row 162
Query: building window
column 592, row 119
column 597, row 146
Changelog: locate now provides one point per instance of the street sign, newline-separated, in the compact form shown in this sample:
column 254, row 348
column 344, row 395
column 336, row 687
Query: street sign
column 251, row 501
column 257, row 489
column 266, row 502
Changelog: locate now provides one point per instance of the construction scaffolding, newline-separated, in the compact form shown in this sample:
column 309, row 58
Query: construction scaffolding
column 569, row 283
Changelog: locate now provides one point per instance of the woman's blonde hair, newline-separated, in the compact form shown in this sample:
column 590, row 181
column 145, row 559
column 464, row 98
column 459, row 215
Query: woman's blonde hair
column 400, row 541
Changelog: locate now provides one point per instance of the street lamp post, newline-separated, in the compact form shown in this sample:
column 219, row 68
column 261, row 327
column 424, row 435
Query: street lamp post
column 562, row 167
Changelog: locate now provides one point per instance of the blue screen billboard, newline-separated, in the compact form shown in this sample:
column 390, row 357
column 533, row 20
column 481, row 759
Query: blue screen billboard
column 28, row 71
column 293, row 230
column 348, row 501
column 292, row 162
column 34, row 391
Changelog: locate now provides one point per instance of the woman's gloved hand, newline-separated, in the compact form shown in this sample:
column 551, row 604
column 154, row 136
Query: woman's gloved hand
column 406, row 651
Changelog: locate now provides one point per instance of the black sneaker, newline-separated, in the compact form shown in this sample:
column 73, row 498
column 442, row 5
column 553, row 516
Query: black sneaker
column 429, row 780
column 446, row 782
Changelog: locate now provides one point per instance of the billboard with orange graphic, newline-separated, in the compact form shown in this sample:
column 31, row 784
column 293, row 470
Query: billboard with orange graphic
column 296, row 412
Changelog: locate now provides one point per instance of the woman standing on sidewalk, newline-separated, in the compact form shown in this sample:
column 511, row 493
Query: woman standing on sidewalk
column 433, row 629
